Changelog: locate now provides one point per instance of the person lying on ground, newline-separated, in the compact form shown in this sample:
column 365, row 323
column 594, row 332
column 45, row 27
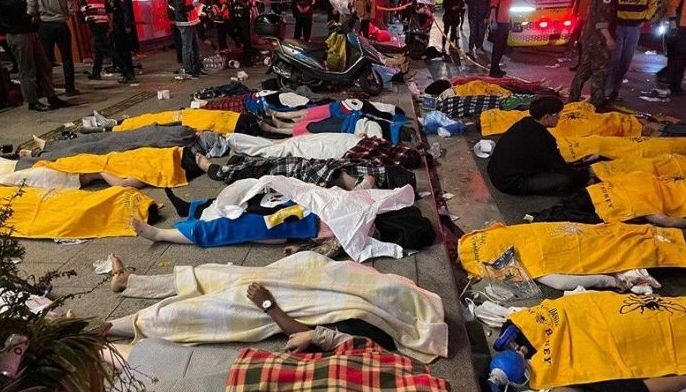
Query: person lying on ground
column 272, row 218
column 575, row 254
column 76, row 214
column 343, row 173
column 294, row 210
column 644, row 331
column 635, row 197
column 589, row 148
column 359, row 117
column 577, row 119
column 208, row 303
column 218, row 121
column 104, row 143
column 665, row 165
column 526, row 159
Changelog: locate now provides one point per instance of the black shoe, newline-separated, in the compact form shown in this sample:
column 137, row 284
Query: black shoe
column 58, row 103
column 95, row 77
column 39, row 107
column 72, row 93
column 126, row 79
column 111, row 69
column 498, row 73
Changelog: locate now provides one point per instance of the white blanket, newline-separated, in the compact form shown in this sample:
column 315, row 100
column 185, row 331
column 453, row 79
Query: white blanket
column 311, row 146
column 349, row 214
column 211, row 304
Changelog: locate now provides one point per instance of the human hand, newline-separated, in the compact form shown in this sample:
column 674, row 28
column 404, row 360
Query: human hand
column 299, row 341
column 611, row 44
column 258, row 294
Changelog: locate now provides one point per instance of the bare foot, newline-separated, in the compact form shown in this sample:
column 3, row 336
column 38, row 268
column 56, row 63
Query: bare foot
column 368, row 182
column 120, row 274
column 40, row 143
column 70, row 314
column 202, row 162
column 144, row 230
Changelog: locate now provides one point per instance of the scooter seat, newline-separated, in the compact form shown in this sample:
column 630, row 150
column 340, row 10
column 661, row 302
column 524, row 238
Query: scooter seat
column 306, row 46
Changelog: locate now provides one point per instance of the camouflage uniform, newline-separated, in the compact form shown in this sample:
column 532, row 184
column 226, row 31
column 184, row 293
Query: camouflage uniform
column 596, row 55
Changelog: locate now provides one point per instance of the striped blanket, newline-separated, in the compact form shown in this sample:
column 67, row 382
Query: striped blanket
column 211, row 304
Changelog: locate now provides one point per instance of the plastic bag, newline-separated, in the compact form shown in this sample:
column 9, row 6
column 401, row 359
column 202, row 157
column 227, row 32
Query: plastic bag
column 435, row 119
column 508, row 280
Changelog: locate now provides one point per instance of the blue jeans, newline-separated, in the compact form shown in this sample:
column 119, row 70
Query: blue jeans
column 477, row 31
column 190, row 49
column 627, row 41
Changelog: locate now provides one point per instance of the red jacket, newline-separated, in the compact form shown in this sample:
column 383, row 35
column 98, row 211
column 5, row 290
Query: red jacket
column 503, row 10
column 673, row 7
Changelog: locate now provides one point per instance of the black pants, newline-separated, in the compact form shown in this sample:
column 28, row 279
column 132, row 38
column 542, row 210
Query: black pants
column 545, row 183
column 178, row 45
column 303, row 27
column 499, row 44
column 122, row 45
column 102, row 45
column 243, row 34
column 450, row 26
column 6, row 47
column 673, row 73
column 58, row 33
column 222, row 32
column 364, row 28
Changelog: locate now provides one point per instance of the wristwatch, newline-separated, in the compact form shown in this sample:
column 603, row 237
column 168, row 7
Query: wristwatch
column 267, row 304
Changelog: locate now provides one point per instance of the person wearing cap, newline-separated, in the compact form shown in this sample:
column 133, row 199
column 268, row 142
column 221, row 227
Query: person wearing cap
column 526, row 159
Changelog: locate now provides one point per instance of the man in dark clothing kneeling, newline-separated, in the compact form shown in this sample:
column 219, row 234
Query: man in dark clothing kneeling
column 526, row 159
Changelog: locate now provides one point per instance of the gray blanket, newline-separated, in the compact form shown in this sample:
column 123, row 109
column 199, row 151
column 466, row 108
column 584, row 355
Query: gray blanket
column 103, row 143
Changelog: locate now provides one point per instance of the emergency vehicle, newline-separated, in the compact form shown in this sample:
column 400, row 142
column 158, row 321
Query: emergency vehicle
column 542, row 22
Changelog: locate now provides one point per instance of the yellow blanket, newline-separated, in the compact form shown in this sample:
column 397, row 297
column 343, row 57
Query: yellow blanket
column 158, row 167
column 575, row 148
column 211, row 305
column 68, row 213
column 577, row 119
column 636, row 195
column 478, row 87
column 599, row 336
column 203, row 120
column 574, row 248
column 666, row 165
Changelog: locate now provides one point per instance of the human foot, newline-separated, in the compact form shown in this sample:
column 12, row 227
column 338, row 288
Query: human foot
column 40, row 143
column 202, row 162
column 368, row 182
column 103, row 121
column 144, row 230
column 120, row 274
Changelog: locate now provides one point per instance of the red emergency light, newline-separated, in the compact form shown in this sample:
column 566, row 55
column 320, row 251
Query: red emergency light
column 567, row 23
column 543, row 24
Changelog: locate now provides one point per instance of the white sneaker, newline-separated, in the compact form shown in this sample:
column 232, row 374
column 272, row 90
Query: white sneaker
column 103, row 121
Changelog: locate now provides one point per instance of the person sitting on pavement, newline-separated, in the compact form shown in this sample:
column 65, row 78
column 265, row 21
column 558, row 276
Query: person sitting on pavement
column 208, row 304
column 526, row 159
column 554, row 337
column 564, row 255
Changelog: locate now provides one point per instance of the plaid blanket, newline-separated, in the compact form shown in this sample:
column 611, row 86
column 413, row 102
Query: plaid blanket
column 234, row 103
column 357, row 364
column 381, row 152
column 467, row 106
column 322, row 172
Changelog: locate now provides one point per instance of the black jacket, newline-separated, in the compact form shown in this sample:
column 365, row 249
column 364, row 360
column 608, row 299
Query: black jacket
column 478, row 9
column 14, row 18
column 526, row 149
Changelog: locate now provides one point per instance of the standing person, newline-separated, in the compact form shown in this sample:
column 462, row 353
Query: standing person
column 186, row 21
column 220, row 17
column 176, row 35
column 477, row 14
column 500, row 25
column 96, row 14
column 631, row 14
column 452, row 18
column 673, row 73
column 20, row 24
column 122, row 25
column 581, row 11
column 302, row 12
column 365, row 10
column 240, row 19
column 53, row 30
column 598, row 44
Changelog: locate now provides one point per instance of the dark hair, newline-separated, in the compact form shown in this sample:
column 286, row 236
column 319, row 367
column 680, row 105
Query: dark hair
column 546, row 104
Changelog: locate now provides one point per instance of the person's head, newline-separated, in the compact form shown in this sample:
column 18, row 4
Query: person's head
column 546, row 110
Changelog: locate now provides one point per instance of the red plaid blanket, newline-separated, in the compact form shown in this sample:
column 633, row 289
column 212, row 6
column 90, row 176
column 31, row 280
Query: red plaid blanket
column 234, row 103
column 381, row 152
column 358, row 364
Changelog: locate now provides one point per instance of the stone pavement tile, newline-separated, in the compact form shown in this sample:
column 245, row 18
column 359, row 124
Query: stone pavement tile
column 47, row 251
column 261, row 255
column 406, row 267
column 179, row 254
column 97, row 304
